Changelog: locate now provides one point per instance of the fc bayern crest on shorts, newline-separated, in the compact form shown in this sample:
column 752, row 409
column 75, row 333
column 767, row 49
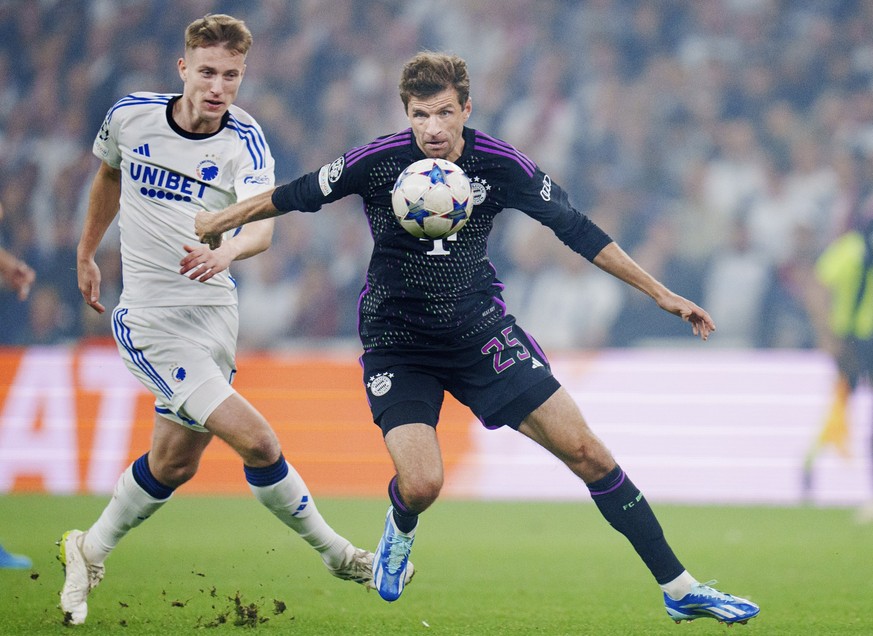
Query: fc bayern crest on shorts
column 380, row 384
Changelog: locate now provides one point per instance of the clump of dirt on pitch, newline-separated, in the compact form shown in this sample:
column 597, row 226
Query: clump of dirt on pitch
column 243, row 614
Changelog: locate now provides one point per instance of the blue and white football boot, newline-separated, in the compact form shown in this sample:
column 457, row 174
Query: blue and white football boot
column 707, row 602
column 391, row 567
column 358, row 567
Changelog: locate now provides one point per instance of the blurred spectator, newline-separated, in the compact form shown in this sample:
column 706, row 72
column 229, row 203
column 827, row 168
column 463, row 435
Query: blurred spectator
column 49, row 321
column 557, row 295
column 737, row 174
column 735, row 285
column 639, row 324
column 269, row 301
column 16, row 281
column 317, row 317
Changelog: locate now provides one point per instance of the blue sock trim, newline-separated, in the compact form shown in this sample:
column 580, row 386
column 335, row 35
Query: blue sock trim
column 267, row 475
column 143, row 476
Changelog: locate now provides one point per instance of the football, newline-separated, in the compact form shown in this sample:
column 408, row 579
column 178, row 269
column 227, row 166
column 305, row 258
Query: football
column 432, row 198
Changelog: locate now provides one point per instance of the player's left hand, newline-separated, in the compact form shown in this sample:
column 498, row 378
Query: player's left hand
column 701, row 323
column 202, row 262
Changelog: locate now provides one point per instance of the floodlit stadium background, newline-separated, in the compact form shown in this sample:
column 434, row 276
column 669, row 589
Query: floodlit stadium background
column 722, row 142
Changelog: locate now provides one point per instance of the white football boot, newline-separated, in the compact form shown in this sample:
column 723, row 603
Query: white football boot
column 80, row 577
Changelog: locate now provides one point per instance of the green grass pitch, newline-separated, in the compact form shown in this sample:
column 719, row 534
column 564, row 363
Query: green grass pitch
column 225, row 565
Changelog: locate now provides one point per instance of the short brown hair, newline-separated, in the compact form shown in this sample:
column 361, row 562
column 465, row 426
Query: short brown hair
column 429, row 73
column 218, row 29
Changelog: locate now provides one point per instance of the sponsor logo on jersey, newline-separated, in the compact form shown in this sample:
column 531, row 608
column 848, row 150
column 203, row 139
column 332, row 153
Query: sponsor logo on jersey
column 480, row 188
column 207, row 170
column 257, row 179
column 178, row 373
column 167, row 184
column 142, row 150
column 546, row 192
column 536, row 364
column 380, row 384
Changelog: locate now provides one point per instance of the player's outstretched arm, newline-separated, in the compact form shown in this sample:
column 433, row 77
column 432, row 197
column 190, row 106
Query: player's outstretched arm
column 614, row 260
column 209, row 226
column 102, row 208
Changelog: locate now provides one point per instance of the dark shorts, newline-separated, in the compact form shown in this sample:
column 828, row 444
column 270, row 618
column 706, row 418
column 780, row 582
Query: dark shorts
column 503, row 377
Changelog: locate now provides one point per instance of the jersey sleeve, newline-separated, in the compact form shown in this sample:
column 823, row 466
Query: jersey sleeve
column 105, row 145
column 257, row 171
column 539, row 197
column 331, row 182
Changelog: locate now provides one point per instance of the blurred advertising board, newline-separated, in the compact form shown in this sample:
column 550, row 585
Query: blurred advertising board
column 695, row 425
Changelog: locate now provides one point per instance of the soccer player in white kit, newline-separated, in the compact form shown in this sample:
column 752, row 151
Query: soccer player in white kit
column 163, row 158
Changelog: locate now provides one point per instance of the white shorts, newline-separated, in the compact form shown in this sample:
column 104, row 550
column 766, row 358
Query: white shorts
column 184, row 355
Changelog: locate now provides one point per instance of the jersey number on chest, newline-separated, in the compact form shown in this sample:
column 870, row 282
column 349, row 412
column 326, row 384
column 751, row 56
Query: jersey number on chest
column 439, row 248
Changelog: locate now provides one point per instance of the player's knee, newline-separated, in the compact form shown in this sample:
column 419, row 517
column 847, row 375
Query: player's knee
column 588, row 457
column 174, row 472
column 421, row 492
column 263, row 450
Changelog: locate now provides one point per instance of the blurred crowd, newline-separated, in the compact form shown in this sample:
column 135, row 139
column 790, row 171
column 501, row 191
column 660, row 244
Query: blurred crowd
column 723, row 143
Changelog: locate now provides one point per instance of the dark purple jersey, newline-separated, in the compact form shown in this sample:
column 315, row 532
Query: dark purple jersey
column 423, row 294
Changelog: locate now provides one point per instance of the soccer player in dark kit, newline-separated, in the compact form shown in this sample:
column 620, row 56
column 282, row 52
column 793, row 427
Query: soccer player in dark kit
column 432, row 320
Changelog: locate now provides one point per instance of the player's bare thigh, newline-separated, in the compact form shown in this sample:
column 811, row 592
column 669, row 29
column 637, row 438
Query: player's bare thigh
column 245, row 430
column 558, row 426
column 176, row 449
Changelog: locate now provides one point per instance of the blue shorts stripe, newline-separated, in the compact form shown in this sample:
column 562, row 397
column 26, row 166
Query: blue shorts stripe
column 122, row 335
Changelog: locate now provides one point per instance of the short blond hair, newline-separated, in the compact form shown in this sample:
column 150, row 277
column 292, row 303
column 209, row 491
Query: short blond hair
column 215, row 29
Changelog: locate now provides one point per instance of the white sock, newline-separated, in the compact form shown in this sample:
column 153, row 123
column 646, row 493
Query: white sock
column 290, row 501
column 680, row 586
column 130, row 506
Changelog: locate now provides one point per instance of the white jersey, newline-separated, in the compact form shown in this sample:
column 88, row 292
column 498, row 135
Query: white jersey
column 167, row 175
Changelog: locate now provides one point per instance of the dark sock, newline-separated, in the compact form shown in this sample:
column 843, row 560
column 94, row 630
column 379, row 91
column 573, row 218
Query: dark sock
column 143, row 476
column 622, row 504
column 267, row 475
column 404, row 518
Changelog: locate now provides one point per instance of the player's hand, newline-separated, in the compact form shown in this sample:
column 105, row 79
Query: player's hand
column 89, row 284
column 21, row 278
column 701, row 323
column 202, row 262
column 206, row 233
